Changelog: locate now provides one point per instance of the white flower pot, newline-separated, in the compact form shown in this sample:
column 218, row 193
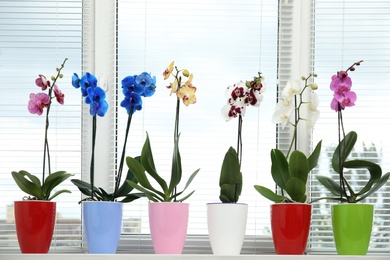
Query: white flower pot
column 226, row 225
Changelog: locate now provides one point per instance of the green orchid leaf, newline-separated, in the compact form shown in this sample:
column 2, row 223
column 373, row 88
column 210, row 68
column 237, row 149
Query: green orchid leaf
column 85, row 187
column 86, row 192
column 229, row 193
column 27, row 186
column 186, row 197
column 298, row 166
column 313, row 158
column 267, row 193
column 329, row 184
column 150, row 195
column 230, row 180
column 224, row 199
column 139, row 172
column 279, row 168
column 382, row 181
column 176, row 167
column 125, row 188
column 296, row 189
column 230, row 170
column 191, row 178
column 34, row 179
column 148, row 163
column 374, row 169
column 330, row 198
column 105, row 195
column 53, row 180
column 187, row 184
column 131, row 197
column 58, row 193
column 343, row 150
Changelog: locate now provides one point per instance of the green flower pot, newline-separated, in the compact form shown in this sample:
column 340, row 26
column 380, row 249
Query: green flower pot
column 352, row 225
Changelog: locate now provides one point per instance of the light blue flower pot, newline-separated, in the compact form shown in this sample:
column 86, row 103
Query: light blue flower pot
column 102, row 222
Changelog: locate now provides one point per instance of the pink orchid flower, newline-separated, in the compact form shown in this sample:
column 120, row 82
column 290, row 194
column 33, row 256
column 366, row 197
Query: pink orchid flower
column 42, row 82
column 38, row 102
column 59, row 95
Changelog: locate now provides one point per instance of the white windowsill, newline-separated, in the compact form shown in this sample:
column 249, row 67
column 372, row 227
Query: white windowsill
column 184, row 257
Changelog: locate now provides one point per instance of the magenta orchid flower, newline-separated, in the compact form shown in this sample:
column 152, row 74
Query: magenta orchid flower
column 42, row 82
column 343, row 96
column 59, row 95
column 38, row 102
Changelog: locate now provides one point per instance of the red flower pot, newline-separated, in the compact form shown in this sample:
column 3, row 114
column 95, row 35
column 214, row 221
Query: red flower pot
column 34, row 222
column 290, row 223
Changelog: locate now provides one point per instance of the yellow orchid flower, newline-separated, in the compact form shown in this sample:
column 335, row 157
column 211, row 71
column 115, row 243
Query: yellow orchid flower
column 173, row 86
column 187, row 93
column 189, row 81
column 168, row 70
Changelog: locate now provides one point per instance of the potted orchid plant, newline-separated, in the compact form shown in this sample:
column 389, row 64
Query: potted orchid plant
column 290, row 171
column 111, row 203
column 165, row 202
column 345, row 230
column 35, row 215
column 220, row 216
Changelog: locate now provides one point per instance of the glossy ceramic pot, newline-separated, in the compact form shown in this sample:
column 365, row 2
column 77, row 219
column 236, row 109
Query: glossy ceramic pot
column 352, row 226
column 168, row 223
column 34, row 222
column 102, row 222
column 290, row 223
column 226, row 225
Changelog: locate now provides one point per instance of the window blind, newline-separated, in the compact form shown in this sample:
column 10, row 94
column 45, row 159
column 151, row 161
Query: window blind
column 221, row 43
column 355, row 30
column 35, row 37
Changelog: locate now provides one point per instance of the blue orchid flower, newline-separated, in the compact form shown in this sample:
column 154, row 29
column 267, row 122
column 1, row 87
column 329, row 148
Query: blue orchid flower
column 132, row 100
column 147, row 82
column 97, row 100
column 133, row 87
column 129, row 86
column 87, row 80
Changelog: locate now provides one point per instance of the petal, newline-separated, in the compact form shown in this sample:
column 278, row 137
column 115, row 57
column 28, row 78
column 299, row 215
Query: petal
column 313, row 105
column 168, row 70
column 334, row 105
column 312, row 118
column 75, row 80
column 292, row 88
column 144, row 79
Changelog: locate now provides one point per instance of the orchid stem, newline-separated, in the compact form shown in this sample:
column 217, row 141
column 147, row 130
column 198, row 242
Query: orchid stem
column 239, row 140
column 92, row 167
column 120, row 168
column 46, row 151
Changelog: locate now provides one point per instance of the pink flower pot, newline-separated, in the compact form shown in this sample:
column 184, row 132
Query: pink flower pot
column 168, row 226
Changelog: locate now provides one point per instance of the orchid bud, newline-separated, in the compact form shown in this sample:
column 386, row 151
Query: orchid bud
column 248, row 84
column 303, row 78
column 61, row 75
column 313, row 86
column 186, row 73
column 53, row 78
